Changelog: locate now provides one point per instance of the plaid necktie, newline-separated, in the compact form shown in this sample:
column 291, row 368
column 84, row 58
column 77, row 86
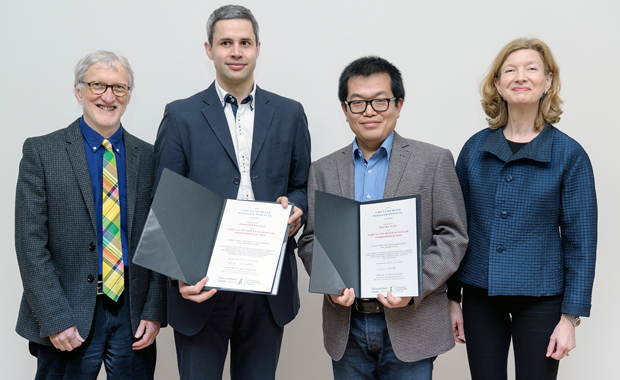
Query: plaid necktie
column 112, row 265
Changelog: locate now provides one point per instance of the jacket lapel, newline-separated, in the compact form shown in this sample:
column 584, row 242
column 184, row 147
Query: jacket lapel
column 401, row 151
column 132, row 168
column 77, row 156
column 214, row 114
column 346, row 173
column 263, row 114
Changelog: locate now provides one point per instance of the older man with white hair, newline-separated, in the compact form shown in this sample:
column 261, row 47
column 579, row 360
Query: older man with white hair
column 83, row 196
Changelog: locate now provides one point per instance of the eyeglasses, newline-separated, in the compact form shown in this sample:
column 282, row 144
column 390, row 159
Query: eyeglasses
column 99, row 88
column 379, row 105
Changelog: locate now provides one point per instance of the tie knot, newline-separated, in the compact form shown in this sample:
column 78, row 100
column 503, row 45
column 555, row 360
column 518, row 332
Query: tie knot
column 106, row 144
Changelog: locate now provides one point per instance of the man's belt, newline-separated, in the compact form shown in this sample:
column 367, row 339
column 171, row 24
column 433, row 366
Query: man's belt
column 368, row 306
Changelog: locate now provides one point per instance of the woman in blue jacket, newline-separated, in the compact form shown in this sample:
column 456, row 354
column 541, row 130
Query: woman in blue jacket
column 532, row 222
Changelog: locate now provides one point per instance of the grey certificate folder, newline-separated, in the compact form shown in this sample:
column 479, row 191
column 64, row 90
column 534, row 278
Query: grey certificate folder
column 181, row 229
column 336, row 248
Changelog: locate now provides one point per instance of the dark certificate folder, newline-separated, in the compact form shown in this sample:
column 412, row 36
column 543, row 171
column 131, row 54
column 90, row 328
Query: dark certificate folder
column 181, row 230
column 336, row 253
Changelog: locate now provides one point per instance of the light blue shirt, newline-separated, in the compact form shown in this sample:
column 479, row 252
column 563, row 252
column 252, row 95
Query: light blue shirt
column 370, row 175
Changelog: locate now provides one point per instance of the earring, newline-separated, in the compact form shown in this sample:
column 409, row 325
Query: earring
column 545, row 94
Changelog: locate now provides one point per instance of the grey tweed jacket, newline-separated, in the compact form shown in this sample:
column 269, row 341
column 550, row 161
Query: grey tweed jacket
column 56, row 236
column 423, row 329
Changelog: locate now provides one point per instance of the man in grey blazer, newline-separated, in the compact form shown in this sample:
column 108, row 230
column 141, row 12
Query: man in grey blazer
column 83, row 192
column 389, row 337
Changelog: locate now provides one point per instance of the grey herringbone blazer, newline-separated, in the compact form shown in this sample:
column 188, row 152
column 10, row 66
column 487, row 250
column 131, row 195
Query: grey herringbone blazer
column 56, row 235
column 422, row 330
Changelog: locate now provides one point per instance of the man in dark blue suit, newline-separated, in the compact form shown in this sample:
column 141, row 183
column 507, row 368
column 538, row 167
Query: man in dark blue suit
column 243, row 143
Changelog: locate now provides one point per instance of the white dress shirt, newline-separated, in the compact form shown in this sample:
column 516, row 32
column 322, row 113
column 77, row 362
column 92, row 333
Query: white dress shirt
column 241, row 130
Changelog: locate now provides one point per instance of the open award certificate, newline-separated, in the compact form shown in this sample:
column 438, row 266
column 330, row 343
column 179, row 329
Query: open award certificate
column 373, row 247
column 192, row 231
column 249, row 246
column 388, row 245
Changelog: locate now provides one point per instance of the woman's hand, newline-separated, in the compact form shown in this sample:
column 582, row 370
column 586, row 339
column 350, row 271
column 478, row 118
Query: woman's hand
column 562, row 340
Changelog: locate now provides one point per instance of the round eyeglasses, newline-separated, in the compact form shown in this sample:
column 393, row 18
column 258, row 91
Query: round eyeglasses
column 379, row 105
column 99, row 88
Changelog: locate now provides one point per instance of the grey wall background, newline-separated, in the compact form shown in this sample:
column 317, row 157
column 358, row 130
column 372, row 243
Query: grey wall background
column 443, row 49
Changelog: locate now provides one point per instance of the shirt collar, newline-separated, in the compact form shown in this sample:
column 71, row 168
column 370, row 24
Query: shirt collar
column 221, row 93
column 94, row 139
column 539, row 149
column 386, row 146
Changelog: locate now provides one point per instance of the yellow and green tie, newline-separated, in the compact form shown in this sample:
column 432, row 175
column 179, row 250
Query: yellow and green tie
column 112, row 265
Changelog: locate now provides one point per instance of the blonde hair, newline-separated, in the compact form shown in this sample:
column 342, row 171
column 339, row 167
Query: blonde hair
column 549, row 108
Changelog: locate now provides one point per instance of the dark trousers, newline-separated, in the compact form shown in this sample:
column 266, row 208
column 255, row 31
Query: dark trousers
column 491, row 322
column 109, row 341
column 246, row 321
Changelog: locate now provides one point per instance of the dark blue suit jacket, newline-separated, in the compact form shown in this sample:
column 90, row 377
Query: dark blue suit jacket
column 194, row 140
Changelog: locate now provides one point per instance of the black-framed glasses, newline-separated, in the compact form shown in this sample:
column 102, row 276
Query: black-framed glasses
column 379, row 105
column 99, row 88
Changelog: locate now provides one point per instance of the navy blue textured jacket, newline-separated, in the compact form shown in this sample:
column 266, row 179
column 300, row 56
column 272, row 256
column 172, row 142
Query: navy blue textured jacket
column 532, row 218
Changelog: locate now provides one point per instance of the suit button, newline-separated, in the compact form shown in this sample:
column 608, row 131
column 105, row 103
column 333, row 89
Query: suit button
column 92, row 246
column 500, row 249
column 508, row 178
column 236, row 181
column 504, row 215
column 90, row 278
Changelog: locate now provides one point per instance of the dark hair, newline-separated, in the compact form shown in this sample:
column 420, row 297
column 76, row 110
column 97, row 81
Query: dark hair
column 367, row 66
column 229, row 12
